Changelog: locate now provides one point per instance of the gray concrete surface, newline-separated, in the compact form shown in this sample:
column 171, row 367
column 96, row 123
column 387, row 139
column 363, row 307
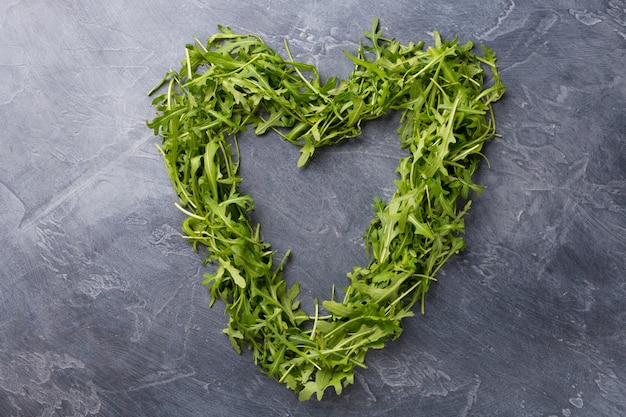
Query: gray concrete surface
column 102, row 311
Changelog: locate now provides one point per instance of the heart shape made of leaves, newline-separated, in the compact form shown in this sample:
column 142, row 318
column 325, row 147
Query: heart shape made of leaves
column 234, row 81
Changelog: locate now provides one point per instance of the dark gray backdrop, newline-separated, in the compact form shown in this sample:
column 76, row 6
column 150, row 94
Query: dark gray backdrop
column 102, row 311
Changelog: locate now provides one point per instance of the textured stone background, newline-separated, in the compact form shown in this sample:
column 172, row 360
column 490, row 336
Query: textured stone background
column 102, row 311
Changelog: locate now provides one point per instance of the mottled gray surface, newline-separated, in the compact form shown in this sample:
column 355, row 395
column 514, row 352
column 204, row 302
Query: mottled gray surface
column 102, row 311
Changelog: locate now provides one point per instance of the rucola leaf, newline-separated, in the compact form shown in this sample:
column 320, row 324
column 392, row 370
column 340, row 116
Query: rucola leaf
column 236, row 81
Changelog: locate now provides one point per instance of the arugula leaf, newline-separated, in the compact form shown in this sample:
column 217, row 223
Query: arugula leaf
column 235, row 81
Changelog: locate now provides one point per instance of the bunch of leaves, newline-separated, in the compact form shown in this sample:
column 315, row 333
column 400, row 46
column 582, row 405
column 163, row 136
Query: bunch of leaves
column 237, row 81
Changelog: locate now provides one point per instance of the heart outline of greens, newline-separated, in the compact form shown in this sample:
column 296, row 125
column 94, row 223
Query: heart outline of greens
column 235, row 81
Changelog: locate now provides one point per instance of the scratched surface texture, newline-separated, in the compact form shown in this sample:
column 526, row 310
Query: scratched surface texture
column 102, row 311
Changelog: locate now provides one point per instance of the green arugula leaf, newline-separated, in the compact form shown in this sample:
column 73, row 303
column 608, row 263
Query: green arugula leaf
column 235, row 81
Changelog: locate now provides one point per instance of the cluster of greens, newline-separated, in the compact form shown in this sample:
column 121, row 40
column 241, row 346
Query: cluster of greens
column 236, row 81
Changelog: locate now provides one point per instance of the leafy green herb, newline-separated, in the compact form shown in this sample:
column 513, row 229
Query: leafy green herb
column 235, row 81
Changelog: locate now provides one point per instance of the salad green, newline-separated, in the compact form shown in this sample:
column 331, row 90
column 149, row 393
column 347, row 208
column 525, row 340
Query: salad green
column 236, row 81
